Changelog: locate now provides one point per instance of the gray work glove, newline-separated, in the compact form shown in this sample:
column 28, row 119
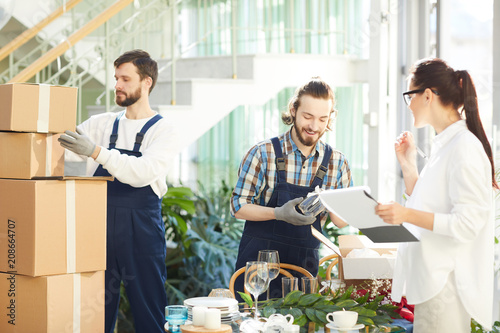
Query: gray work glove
column 288, row 214
column 78, row 142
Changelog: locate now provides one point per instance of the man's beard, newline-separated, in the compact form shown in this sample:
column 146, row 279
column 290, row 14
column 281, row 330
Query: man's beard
column 306, row 141
column 129, row 99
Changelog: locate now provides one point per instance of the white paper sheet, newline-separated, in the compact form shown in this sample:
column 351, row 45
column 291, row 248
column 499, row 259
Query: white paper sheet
column 353, row 205
column 356, row 207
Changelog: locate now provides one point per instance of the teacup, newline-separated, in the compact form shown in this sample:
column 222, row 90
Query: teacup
column 345, row 319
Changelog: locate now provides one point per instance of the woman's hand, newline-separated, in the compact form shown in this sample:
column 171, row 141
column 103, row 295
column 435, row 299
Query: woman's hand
column 406, row 151
column 392, row 213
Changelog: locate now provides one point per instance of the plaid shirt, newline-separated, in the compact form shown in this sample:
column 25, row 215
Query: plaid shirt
column 257, row 174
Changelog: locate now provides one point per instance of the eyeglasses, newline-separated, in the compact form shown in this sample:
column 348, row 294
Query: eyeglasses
column 407, row 96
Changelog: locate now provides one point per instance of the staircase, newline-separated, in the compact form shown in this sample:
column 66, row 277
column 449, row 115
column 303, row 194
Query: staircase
column 205, row 89
column 206, row 93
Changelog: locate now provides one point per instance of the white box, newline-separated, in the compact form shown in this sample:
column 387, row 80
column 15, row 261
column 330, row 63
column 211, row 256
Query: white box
column 366, row 268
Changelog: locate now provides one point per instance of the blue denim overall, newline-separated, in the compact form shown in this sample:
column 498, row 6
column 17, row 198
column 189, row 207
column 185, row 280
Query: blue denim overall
column 136, row 247
column 295, row 244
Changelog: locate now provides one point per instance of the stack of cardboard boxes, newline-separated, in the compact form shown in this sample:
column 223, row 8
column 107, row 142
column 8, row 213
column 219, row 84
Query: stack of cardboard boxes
column 52, row 229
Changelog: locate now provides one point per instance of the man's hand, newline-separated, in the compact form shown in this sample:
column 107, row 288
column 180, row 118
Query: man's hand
column 288, row 214
column 78, row 143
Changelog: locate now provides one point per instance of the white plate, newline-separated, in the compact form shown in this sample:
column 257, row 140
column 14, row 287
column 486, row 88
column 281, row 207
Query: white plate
column 345, row 329
column 212, row 302
column 228, row 317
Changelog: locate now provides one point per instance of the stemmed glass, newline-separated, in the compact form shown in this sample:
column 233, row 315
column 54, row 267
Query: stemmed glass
column 256, row 280
column 273, row 262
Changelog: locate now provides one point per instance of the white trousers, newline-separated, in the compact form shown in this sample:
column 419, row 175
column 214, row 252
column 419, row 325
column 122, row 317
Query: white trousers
column 444, row 313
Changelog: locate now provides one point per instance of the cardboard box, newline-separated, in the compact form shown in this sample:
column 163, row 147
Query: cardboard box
column 366, row 268
column 52, row 304
column 52, row 226
column 30, row 155
column 38, row 108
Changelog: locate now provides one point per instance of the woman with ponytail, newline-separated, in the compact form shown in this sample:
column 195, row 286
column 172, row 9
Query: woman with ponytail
column 448, row 274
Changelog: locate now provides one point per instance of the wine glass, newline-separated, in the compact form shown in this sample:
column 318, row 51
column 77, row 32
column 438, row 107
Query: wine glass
column 273, row 262
column 256, row 280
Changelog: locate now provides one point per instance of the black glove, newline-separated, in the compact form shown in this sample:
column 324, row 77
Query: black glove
column 78, row 143
column 288, row 214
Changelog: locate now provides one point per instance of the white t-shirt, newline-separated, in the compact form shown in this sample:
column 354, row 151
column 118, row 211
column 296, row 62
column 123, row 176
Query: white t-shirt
column 157, row 150
column 456, row 186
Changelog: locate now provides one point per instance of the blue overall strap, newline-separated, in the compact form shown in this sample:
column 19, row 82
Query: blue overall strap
column 144, row 129
column 280, row 160
column 323, row 168
column 114, row 134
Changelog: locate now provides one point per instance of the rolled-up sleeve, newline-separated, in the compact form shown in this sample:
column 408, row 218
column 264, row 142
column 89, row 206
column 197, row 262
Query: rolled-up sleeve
column 344, row 178
column 251, row 177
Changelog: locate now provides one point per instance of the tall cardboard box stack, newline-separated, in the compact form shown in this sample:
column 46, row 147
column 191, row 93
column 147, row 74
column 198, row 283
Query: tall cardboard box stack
column 52, row 229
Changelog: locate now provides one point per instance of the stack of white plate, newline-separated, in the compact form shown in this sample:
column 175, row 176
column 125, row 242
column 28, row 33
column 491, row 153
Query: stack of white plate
column 228, row 307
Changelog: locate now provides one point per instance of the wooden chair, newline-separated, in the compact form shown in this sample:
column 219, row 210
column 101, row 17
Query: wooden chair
column 284, row 268
column 334, row 262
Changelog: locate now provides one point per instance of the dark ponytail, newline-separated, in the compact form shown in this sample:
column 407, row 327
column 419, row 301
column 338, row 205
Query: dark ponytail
column 472, row 119
column 455, row 88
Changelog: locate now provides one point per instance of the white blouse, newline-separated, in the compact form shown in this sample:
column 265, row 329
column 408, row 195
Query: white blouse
column 456, row 186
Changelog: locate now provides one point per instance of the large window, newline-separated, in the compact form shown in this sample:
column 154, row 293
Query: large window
column 278, row 27
column 271, row 26
column 221, row 149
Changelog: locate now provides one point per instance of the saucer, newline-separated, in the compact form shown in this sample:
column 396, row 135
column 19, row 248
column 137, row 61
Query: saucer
column 345, row 329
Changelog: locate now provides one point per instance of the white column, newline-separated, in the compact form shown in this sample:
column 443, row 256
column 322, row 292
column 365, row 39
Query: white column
column 414, row 39
column 496, row 64
column 381, row 119
column 496, row 125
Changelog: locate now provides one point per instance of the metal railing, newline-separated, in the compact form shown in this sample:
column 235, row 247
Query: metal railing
column 47, row 42
column 138, row 28
column 68, row 43
column 27, row 35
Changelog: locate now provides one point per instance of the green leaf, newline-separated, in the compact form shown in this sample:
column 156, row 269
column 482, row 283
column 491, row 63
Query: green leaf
column 311, row 314
column 295, row 312
column 365, row 312
column 363, row 299
column 381, row 319
column 309, row 299
column 181, row 223
column 278, row 302
column 246, row 298
column 388, row 307
column 301, row 321
column 268, row 310
column 327, row 308
column 366, row 321
column 186, row 204
column 179, row 192
column 345, row 304
column 371, row 306
column 321, row 315
column 324, row 300
column 347, row 294
column 292, row 297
